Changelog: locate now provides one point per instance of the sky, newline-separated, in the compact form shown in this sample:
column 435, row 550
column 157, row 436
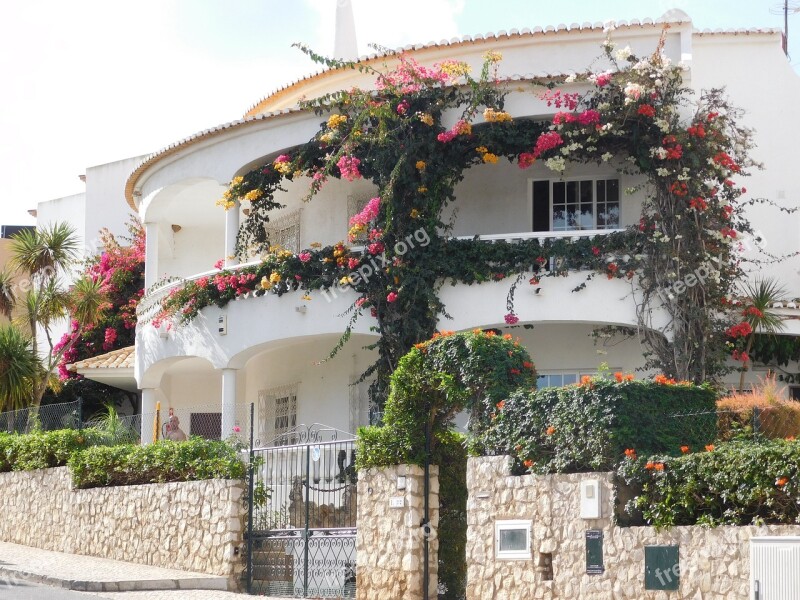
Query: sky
column 87, row 82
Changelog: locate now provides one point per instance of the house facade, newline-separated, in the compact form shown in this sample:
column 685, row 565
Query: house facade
column 273, row 351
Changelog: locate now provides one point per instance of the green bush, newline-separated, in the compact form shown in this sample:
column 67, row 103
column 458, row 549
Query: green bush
column 588, row 427
column 732, row 483
column 162, row 462
column 452, row 533
column 39, row 450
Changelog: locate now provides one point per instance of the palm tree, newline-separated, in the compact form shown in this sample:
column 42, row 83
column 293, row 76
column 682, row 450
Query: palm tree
column 20, row 368
column 43, row 256
column 7, row 296
column 761, row 295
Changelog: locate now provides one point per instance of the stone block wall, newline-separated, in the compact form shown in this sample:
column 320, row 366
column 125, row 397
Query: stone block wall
column 389, row 542
column 193, row 526
column 714, row 563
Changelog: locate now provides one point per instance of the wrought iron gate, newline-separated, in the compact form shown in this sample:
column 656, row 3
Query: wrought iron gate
column 301, row 535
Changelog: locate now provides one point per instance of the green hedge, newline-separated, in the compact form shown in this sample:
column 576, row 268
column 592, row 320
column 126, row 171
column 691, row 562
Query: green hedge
column 732, row 483
column 39, row 450
column 588, row 427
column 161, row 462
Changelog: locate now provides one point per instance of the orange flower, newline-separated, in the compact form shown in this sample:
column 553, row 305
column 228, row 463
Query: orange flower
column 659, row 466
column 709, row 447
column 685, row 449
column 650, row 466
column 790, row 438
column 507, row 336
column 586, row 380
column 630, row 453
column 550, row 430
column 518, row 447
column 527, row 364
column 781, row 481
column 629, row 377
column 528, row 463
column 618, row 377
column 491, row 333
column 477, row 331
column 501, row 404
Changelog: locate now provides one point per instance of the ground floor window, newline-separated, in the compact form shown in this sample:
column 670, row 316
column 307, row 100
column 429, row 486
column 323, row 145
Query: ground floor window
column 207, row 425
column 277, row 411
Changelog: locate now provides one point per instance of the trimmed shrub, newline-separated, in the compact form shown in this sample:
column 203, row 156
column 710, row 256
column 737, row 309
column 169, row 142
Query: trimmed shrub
column 731, row 483
column 162, row 462
column 40, row 449
column 588, row 427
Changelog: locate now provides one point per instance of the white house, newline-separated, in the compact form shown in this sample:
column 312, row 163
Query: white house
column 270, row 350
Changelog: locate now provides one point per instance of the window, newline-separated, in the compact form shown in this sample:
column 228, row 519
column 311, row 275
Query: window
column 277, row 411
column 285, row 231
column 794, row 392
column 566, row 377
column 575, row 205
column 512, row 539
column 207, row 425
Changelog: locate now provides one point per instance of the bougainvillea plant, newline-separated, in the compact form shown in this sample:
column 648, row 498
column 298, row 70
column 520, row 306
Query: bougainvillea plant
column 636, row 115
column 120, row 269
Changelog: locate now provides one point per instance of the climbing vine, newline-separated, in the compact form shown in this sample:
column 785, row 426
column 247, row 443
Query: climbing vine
column 636, row 115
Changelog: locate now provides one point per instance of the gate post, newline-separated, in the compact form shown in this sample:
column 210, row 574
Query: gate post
column 391, row 534
column 250, row 487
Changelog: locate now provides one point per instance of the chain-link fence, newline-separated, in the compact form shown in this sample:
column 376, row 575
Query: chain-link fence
column 42, row 418
column 779, row 421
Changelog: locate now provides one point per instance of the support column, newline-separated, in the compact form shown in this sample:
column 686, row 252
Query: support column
column 228, row 402
column 148, row 415
column 231, row 230
column 151, row 254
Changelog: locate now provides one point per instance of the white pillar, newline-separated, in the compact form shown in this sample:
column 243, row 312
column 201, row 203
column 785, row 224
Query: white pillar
column 231, row 230
column 148, row 414
column 228, row 402
column 151, row 254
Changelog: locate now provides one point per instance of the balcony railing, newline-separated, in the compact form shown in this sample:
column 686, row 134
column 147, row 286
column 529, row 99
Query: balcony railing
column 150, row 304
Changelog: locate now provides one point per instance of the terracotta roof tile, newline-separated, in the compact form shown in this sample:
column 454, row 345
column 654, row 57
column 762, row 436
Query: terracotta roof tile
column 116, row 359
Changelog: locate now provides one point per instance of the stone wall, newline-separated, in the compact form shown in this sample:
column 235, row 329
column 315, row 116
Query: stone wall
column 390, row 539
column 192, row 526
column 714, row 563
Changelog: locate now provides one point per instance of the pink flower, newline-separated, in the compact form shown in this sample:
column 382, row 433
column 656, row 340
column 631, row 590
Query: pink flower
column 348, row 165
column 511, row 318
column 403, row 107
column 236, row 429
column 282, row 159
column 352, row 263
column 376, row 248
column 391, row 297
column 304, row 257
column 360, row 302
column 603, row 79
column 547, row 141
column 219, row 263
column 589, row 117
column 369, row 213
column 526, row 159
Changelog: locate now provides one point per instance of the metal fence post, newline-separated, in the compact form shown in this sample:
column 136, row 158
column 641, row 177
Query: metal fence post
column 80, row 413
column 250, row 490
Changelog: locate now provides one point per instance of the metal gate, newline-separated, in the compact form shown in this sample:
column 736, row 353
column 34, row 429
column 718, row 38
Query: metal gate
column 775, row 568
column 301, row 535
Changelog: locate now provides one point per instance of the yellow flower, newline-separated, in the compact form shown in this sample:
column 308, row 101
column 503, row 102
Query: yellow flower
column 356, row 133
column 253, row 195
column 326, row 137
column 490, row 158
column 482, row 149
column 422, row 189
column 225, row 203
column 344, row 280
column 493, row 56
column 421, row 165
column 275, row 277
column 237, row 180
column 336, row 120
column 265, row 283
column 284, row 168
column 454, row 68
column 315, row 245
column 496, row 116
column 425, row 118
column 307, row 297
column 463, row 128
column 414, row 214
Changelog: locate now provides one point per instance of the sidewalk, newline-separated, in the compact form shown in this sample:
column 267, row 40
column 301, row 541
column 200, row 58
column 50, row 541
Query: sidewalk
column 91, row 574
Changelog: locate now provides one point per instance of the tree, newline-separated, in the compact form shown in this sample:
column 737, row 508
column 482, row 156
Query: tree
column 20, row 368
column 760, row 295
column 44, row 256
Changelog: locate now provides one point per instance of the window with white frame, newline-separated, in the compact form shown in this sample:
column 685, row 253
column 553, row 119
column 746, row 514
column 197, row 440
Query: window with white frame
column 277, row 411
column 512, row 539
column 575, row 204
column 284, row 231
column 562, row 378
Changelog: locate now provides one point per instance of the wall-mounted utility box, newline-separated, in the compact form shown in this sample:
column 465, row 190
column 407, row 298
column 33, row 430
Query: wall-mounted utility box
column 591, row 500
column 662, row 570
column 222, row 324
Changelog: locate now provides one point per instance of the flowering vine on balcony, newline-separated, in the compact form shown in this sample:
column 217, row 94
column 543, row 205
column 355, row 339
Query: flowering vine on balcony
column 690, row 222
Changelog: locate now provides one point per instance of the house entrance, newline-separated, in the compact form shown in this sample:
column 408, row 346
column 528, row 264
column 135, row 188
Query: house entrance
column 301, row 533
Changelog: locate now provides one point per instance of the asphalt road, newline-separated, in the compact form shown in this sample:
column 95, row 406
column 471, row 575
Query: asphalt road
column 22, row 590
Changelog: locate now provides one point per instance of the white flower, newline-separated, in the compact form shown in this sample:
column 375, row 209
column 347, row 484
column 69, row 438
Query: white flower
column 623, row 53
column 570, row 79
column 662, row 125
column 557, row 163
column 662, row 172
column 660, row 153
column 607, row 157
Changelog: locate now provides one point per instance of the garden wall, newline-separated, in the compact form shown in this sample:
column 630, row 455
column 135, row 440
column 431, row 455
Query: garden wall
column 714, row 563
column 192, row 526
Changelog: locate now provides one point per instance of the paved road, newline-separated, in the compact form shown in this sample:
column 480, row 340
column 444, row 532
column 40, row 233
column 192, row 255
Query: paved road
column 21, row 590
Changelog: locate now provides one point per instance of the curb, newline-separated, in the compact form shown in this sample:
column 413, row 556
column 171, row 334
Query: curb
column 195, row 583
